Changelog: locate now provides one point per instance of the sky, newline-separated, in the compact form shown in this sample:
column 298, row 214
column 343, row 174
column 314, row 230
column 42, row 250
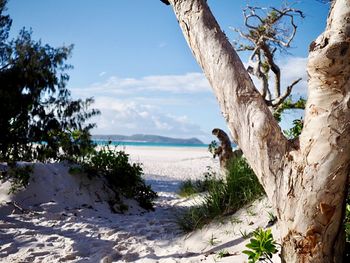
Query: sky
column 132, row 58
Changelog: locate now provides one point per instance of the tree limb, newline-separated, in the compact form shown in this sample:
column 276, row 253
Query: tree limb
column 249, row 119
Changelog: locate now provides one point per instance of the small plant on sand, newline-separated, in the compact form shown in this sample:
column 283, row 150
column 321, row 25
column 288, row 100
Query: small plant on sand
column 224, row 197
column 213, row 240
column 251, row 212
column 235, row 220
column 262, row 246
column 124, row 178
column 244, row 234
column 272, row 218
column 223, row 253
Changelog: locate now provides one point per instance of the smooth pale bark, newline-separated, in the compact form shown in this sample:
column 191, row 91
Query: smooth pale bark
column 307, row 181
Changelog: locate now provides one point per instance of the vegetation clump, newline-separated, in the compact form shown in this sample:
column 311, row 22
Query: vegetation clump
column 224, row 196
column 40, row 121
column 190, row 187
column 122, row 176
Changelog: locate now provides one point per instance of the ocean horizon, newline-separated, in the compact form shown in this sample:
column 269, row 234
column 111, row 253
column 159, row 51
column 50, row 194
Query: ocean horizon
column 148, row 144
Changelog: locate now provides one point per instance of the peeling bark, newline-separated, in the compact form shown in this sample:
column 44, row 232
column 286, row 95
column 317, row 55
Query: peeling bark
column 306, row 183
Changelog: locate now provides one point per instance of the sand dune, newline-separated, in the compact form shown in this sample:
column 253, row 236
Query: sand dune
column 65, row 217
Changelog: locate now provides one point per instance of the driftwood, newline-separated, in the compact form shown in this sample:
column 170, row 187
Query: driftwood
column 224, row 151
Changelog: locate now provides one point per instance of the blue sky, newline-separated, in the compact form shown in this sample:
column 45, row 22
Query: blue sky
column 132, row 58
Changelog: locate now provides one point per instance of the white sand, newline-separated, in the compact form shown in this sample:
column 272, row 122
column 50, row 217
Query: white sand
column 65, row 218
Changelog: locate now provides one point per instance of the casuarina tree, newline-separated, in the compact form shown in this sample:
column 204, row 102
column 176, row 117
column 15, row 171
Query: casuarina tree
column 38, row 117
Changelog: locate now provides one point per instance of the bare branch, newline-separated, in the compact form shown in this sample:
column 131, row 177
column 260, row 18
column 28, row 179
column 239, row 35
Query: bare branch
column 276, row 102
column 266, row 34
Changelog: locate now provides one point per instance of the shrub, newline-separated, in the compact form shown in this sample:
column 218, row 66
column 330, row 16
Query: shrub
column 124, row 178
column 224, row 197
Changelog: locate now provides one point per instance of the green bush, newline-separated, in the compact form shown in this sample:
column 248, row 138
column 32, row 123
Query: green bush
column 124, row 178
column 224, row 197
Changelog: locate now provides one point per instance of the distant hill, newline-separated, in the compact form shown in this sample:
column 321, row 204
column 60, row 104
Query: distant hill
column 146, row 138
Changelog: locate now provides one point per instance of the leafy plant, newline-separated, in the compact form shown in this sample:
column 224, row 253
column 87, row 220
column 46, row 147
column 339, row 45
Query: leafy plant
column 295, row 131
column 262, row 246
column 212, row 147
column 347, row 222
column 123, row 177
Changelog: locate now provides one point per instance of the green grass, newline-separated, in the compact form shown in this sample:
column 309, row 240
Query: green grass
column 189, row 187
column 224, row 197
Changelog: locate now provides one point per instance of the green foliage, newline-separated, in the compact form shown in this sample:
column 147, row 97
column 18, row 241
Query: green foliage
column 189, row 187
column 124, row 178
column 37, row 114
column 347, row 228
column 347, row 222
column 213, row 240
column 212, row 147
column 295, row 131
column 289, row 104
column 245, row 234
column 262, row 246
column 224, row 197
column 18, row 175
column 223, row 253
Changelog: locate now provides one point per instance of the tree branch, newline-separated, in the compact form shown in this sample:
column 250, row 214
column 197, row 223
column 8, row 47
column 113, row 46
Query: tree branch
column 276, row 102
column 249, row 119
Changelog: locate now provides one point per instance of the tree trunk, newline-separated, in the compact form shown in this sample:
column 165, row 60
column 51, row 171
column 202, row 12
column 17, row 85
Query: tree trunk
column 306, row 183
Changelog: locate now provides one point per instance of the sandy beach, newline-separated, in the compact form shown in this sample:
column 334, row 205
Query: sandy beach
column 63, row 218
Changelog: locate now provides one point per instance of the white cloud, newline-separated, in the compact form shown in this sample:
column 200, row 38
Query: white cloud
column 162, row 104
column 129, row 117
column 102, row 74
column 293, row 68
column 188, row 83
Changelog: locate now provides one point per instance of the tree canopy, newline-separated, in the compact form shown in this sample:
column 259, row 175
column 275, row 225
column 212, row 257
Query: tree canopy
column 36, row 107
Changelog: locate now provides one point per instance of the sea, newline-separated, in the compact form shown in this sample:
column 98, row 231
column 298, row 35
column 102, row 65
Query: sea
column 148, row 144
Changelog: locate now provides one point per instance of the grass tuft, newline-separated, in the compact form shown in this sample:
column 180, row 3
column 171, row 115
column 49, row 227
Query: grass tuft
column 224, row 197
